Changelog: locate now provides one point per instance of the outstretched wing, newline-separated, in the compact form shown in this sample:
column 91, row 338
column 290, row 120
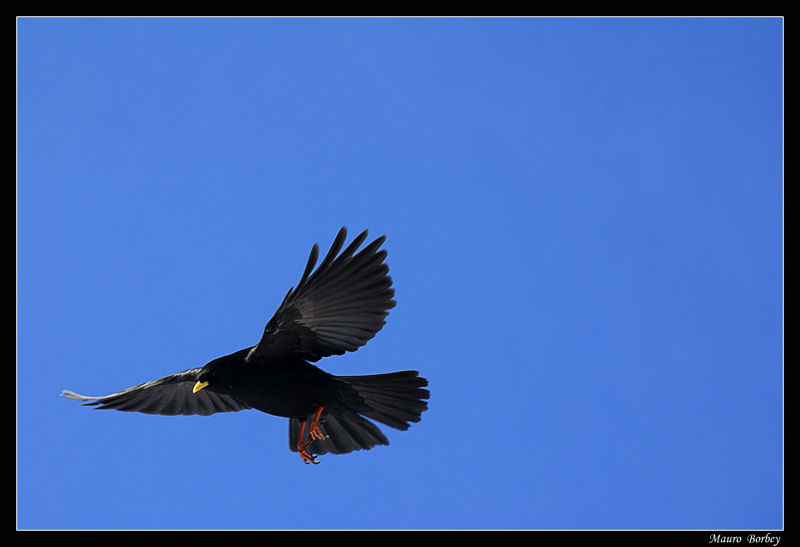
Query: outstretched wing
column 338, row 308
column 169, row 396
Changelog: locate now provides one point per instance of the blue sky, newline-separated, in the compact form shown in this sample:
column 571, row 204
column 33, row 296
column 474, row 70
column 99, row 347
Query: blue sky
column 584, row 221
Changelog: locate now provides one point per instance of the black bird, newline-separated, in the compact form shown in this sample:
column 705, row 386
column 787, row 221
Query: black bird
column 336, row 309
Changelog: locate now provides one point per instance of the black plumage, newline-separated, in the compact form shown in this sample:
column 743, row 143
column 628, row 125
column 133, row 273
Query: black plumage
column 337, row 308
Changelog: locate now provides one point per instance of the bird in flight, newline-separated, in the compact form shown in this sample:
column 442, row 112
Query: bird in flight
column 336, row 309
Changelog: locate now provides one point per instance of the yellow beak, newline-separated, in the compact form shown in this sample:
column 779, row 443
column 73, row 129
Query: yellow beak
column 198, row 386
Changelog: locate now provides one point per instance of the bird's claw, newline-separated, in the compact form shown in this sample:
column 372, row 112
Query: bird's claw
column 305, row 454
column 314, row 431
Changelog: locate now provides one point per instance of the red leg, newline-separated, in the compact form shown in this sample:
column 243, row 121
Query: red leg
column 313, row 428
column 313, row 433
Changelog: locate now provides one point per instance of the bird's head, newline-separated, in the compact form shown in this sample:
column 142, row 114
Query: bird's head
column 204, row 380
column 208, row 376
column 220, row 374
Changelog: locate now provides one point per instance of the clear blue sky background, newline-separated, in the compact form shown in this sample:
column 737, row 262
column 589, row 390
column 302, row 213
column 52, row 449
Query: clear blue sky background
column 585, row 231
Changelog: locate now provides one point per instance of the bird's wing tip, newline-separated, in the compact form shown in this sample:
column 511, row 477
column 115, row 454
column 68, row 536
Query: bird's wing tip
column 76, row 397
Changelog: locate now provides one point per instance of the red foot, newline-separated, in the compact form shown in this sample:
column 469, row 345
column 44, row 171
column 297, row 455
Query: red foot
column 305, row 454
column 314, row 432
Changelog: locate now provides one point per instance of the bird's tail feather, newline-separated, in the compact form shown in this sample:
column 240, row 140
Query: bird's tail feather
column 394, row 399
